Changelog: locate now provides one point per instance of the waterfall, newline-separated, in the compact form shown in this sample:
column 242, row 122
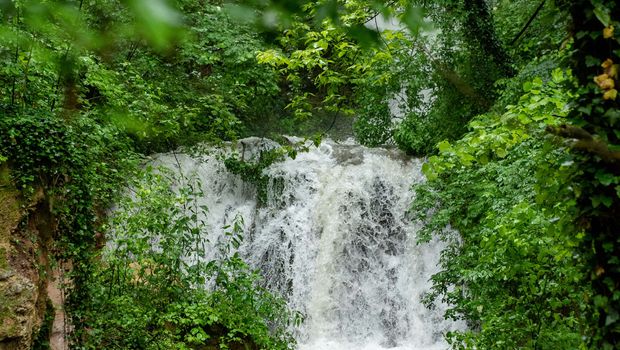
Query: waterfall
column 334, row 239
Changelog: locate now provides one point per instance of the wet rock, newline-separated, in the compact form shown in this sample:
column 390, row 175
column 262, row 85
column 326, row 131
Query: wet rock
column 19, row 316
column 6, row 274
column 22, row 289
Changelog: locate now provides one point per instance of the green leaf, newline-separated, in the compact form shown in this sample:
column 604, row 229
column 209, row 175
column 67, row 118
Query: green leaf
column 444, row 146
column 157, row 20
column 612, row 317
column 557, row 75
column 602, row 13
column 429, row 172
column 537, row 82
column 323, row 44
column 606, row 178
column 586, row 109
column 413, row 18
column 240, row 13
column 329, row 9
column 598, row 200
column 607, row 201
column 524, row 119
column 592, row 61
column 364, row 36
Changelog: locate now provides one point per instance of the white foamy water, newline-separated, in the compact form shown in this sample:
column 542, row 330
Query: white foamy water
column 334, row 240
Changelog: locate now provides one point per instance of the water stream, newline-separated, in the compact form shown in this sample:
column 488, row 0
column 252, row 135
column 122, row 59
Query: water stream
column 333, row 239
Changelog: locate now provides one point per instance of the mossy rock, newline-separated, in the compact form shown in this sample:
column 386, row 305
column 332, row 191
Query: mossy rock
column 20, row 285
column 10, row 214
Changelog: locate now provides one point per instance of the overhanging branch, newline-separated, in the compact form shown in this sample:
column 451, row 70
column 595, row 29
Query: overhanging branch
column 585, row 141
column 527, row 24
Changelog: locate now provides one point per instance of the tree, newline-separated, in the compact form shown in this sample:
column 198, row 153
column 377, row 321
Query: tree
column 596, row 139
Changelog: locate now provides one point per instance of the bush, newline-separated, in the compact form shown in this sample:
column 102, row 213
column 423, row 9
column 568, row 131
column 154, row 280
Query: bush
column 153, row 290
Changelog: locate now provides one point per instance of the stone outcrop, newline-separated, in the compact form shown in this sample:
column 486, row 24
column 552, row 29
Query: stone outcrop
column 26, row 231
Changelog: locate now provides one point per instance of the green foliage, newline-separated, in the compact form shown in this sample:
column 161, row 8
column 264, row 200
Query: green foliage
column 491, row 137
column 513, row 271
column 252, row 170
column 42, row 339
column 461, row 60
column 594, row 126
column 468, row 61
column 84, row 85
column 316, row 63
column 45, row 151
column 326, row 69
column 75, row 166
column 545, row 33
column 374, row 122
column 329, row 65
column 153, row 287
column 205, row 88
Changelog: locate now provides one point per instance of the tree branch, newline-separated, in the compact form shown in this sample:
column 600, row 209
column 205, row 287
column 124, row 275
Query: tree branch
column 527, row 24
column 453, row 77
column 585, row 142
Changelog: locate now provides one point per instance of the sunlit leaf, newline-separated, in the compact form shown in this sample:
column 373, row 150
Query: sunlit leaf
column 413, row 18
column 157, row 20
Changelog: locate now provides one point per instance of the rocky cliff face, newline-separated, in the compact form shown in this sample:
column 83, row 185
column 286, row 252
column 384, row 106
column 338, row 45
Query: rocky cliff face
column 26, row 231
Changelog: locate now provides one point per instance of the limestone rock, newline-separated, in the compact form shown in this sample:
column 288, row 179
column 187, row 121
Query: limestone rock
column 23, row 267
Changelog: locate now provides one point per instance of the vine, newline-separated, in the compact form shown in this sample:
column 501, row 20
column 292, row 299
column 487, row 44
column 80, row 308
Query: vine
column 70, row 163
column 595, row 138
column 252, row 170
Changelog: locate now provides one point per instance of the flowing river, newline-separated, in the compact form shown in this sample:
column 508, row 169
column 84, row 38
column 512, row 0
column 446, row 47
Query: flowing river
column 334, row 239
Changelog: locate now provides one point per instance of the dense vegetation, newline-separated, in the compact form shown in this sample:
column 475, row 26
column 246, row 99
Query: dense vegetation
column 87, row 89
column 513, row 102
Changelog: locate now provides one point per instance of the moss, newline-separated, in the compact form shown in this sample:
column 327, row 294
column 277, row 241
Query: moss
column 8, row 322
column 42, row 337
column 5, row 175
column 10, row 213
column 4, row 259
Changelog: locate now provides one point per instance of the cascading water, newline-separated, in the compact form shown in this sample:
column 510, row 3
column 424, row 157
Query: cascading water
column 333, row 239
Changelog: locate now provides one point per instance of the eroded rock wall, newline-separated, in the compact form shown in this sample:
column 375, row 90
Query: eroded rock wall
column 26, row 231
